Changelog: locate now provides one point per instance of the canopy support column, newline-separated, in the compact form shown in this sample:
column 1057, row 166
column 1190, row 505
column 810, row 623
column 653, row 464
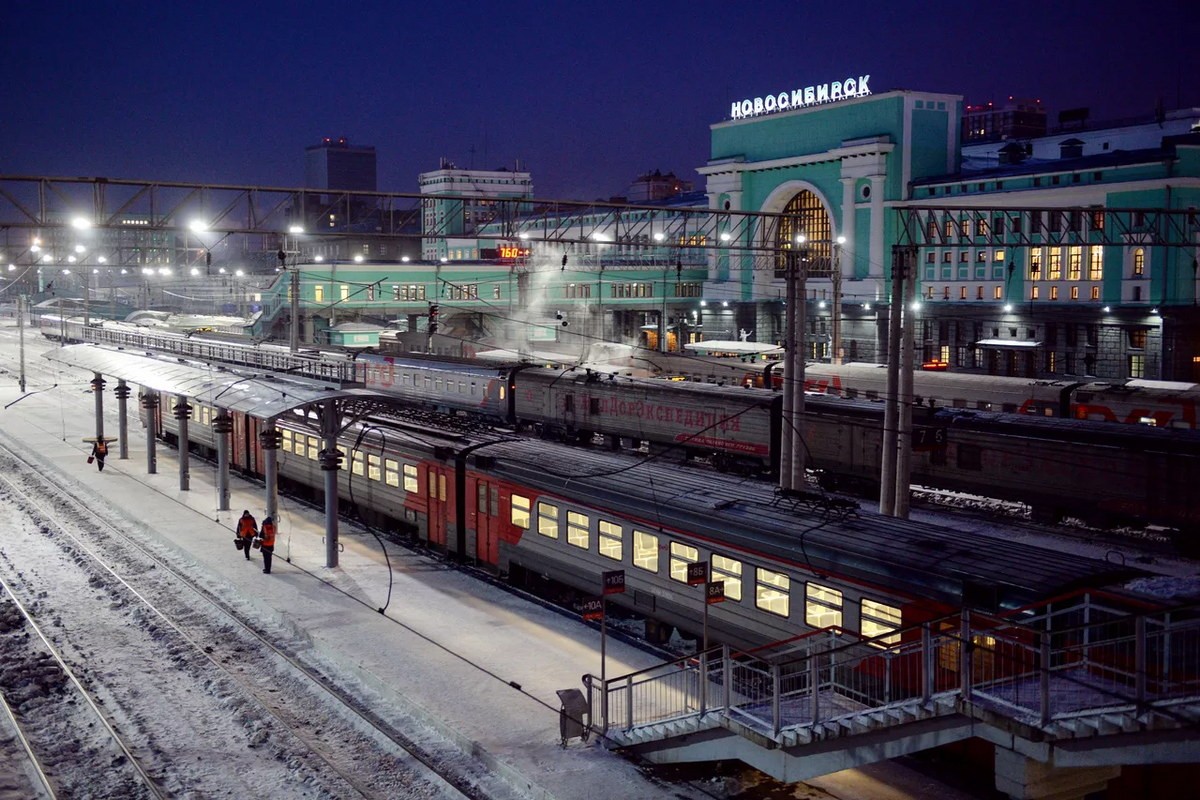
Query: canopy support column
column 150, row 403
column 183, row 413
column 330, row 459
column 222, row 427
column 122, row 392
column 269, row 438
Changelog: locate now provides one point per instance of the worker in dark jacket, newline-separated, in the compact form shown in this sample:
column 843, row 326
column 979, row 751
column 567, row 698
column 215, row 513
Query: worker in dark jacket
column 267, row 539
column 100, row 452
column 247, row 529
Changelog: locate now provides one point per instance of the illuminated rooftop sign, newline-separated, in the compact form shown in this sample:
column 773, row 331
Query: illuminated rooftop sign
column 802, row 98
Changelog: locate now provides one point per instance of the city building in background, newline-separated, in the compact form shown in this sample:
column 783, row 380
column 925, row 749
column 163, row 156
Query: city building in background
column 337, row 164
column 451, row 225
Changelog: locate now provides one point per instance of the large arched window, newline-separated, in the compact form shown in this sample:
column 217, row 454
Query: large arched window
column 804, row 214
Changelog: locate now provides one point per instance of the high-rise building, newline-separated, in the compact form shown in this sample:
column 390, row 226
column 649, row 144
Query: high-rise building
column 336, row 164
column 456, row 221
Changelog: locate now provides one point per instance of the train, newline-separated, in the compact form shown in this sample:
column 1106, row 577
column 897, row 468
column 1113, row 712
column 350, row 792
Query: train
column 554, row 519
column 1058, row 466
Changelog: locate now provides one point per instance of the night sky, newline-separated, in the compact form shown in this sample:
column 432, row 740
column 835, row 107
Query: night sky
column 586, row 95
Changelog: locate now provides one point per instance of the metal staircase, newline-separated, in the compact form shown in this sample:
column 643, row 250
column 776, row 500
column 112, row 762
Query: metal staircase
column 1082, row 666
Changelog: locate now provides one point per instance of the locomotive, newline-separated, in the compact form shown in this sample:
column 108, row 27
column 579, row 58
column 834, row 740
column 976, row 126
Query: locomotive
column 1053, row 463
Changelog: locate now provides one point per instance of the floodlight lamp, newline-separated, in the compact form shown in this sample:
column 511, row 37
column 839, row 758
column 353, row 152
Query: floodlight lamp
column 1007, row 307
column 81, row 223
column 240, row 273
column 198, row 226
column 318, row 259
column 821, row 304
column 221, row 271
column 296, row 229
column 1106, row 309
column 724, row 304
column 658, row 237
column 404, row 259
column 841, row 240
column 66, row 272
column 443, row 259
column 103, row 259
column 79, row 248
column 801, row 238
column 70, row 259
column 703, row 303
column 724, row 236
column 522, row 235
column 866, row 306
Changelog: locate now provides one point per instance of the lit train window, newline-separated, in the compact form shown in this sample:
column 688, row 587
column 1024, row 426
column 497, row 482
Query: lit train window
column 548, row 520
column 503, row 391
column 300, row 450
column 681, row 556
column 372, row 467
column 314, row 447
column 882, row 620
column 730, row 571
column 577, row 529
column 286, row 442
column 771, row 591
column 356, row 463
column 612, row 540
column 410, row 478
column 645, row 551
column 442, row 488
column 823, row 606
column 391, row 472
column 519, row 515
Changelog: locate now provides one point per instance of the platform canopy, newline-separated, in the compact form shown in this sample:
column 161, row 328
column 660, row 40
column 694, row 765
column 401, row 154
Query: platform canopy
column 254, row 392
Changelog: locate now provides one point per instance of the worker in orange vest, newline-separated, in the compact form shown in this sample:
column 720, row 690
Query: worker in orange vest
column 247, row 529
column 99, row 453
column 267, row 539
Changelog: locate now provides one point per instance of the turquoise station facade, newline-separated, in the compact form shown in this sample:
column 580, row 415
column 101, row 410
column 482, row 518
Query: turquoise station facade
column 1019, row 267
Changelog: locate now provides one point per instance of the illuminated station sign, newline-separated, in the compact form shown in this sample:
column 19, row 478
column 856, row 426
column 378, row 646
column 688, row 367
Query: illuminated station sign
column 802, row 98
column 505, row 252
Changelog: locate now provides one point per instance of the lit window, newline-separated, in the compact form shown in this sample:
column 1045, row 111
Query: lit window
column 410, row 479
column 771, row 591
column 345, row 292
column 391, row 472
column 730, row 571
column 1074, row 263
column 998, row 255
column 372, row 467
column 823, row 606
column 1139, row 262
column 1053, row 292
column 286, row 443
column 356, row 463
column 645, row 551
column 998, row 292
column 681, row 556
column 1055, row 264
column 1095, row 263
column 1074, row 292
column 1034, row 292
column 519, row 514
column 1095, row 292
column 577, row 529
column 319, row 293
column 612, row 540
column 1137, row 366
column 314, row 447
column 880, row 620
column 548, row 520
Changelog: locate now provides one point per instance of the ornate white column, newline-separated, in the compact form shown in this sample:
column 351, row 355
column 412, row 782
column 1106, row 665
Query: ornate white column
column 875, row 269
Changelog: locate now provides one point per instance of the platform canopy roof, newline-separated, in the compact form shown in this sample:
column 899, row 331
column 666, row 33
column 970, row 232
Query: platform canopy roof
column 254, row 392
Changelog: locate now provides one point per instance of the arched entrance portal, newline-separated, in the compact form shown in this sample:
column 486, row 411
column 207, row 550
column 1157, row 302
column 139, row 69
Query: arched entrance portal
column 805, row 214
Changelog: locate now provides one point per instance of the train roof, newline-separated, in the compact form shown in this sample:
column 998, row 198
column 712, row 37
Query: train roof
column 743, row 517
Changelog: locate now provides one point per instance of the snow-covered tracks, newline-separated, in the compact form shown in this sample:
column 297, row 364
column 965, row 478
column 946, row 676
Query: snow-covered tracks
column 205, row 702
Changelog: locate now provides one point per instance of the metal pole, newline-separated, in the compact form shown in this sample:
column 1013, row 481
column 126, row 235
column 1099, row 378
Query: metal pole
column 21, row 336
column 122, row 392
column 789, row 373
column 797, row 379
column 330, row 460
column 98, row 389
column 904, row 434
column 603, row 640
column 150, row 403
column 887, row 479
column 222, row 427
column 294, row 339
column 183, row 412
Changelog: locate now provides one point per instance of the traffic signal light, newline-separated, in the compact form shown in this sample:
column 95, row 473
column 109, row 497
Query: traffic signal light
column 433, row 318
column 558, row 315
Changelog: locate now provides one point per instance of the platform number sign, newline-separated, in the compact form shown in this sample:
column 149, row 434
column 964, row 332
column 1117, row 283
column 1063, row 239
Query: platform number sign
column 714, row 592
column 593, row 608
column 697, row 573
column 614, row 581
column 928, row 438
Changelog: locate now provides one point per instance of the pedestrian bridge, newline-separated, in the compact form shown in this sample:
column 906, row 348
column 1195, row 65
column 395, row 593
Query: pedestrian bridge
column 1067, row 693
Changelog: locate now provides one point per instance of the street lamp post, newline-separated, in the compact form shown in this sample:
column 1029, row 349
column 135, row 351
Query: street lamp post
column 791, row 465
column 836, row 355
column 294, row 337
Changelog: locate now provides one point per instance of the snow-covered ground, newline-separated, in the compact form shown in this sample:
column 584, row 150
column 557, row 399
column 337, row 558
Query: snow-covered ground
column 462, row 660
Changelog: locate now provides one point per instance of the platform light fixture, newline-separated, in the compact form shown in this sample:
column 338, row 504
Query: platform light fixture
column 81, row 223
column 358, row 259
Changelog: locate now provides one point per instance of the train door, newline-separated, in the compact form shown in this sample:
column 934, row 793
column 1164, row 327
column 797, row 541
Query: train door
column 487, row 522
column 438, row 484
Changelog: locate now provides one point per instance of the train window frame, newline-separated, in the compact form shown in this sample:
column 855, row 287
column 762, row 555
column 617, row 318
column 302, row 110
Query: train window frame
column 579, row 530
column 356, row 463
column 645, row 550
column 681, row 555
column 772, row 592
column 969, row 456
column 880, row 621
column 410, row 478
column 729, row 570
column 481, row 497
column 441, row 487
column 609, row 544
column 374, row 473
column 820, row 610
column 314, row 448
column 547, row 514
column 391, row 472
column 518, row 511
column 285, row 441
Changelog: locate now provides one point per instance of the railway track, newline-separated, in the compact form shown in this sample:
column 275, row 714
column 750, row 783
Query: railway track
column 184, row 695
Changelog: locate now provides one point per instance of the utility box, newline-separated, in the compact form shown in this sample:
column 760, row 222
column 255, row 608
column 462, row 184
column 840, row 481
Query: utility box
column 573, row 717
